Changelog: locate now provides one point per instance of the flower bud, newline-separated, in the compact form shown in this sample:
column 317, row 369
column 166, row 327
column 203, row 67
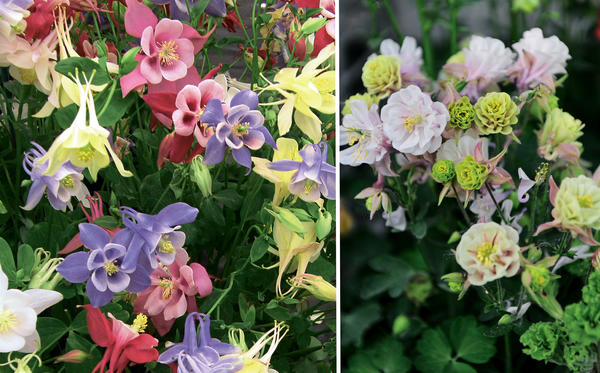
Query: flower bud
column 462, row 114
column 559, row 128
column 381, row 75
column 540, row 277
column 505, row 319
column 323, row 226
column 401, row 325
column 454, row 237
column 496, row 113
column 288, row 219
column 526, row 6
column 73, row 357
column 455, row 281
column 316, row 285
column 200, row 174
column 534, row 254
column 43, row 273
column 470, row 174
column 443, row 171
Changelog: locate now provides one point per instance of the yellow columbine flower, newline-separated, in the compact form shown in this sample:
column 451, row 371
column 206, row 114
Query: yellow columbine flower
column 84, row 143
column 253, row 361
column 287, row 149
column 311, row 89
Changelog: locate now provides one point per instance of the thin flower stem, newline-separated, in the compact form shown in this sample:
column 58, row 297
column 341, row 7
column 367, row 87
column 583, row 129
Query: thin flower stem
column 498, row 210
column 392, row 16
column 460, row 206
column 454, row 8
column 426, row 25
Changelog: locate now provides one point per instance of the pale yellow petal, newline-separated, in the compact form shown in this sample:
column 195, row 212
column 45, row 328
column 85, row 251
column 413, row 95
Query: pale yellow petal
column 284, row 117
column 323, row 55
column 309, row 126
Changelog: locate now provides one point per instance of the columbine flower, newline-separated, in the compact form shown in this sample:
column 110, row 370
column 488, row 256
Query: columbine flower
column 410, row 56
column 576, row 208
column 84, row 143
column 540, row 59
column 488, row 251
column 102, row 267
column 203, row 354
column 376, row 197
column 12, row 14
column 483, row 205
column 579, row 252
column 381, row 75
column 156, row 235
column 18, row 316
column 179, row 8
column 558, row 137
column 60, row 187
column 462, row 113
column 242, row 126
column 316, row 285
column 124, row 343
column 173, row 292
column 253, row 361
column 413, row 123
column 470, row 174
column 363, row 131
column 310, row 89
column 369, row 99
column 43, row 272
column 495, row 113
column 287, row 149
column 314, row 176
column 457, row 151
column 191, row 102
column 396, row 219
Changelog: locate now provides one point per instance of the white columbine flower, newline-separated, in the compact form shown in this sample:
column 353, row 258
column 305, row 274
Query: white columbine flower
column 18, row 316
column 363, row 131
column 457, row 151
column 413, row 122
column 396, row 220
column 540, row 59
column 488, row 251
column 487, row 60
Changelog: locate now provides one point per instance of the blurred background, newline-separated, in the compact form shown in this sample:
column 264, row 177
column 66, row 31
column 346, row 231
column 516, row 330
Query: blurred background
column 389, row 289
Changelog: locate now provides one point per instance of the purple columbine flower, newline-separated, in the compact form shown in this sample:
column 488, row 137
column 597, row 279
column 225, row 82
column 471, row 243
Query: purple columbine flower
column 242, row 126
column 60, row 187
column 179, row 9
column 313, row 177
column 201, row 353
column 156, row 235
column 102, row 267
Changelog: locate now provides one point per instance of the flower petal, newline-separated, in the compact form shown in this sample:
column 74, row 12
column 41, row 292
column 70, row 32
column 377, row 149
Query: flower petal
column 74, row 268
column 93, row 236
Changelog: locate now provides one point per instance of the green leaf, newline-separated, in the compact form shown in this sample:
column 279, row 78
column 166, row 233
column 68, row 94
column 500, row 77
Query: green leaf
column 434, row 352
column 7, row 261
column 213, row 211
column 229, row 198
column 51, row 331
column 259, row 248
column 2, row 208
column 25, row 259
column 128, row 62
column 84, row 68
column 418, row 229
column 469, row 342
column 107, row 221
column 198, row 9
column 393, row 277
column 278, row 313
column 117, row 106
column 65, row 116
column 356, row 323
column 312, row 25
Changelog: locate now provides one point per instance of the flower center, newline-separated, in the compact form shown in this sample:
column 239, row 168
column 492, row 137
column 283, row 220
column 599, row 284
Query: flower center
column 165, row 246
column 585, row 201
column 309, row 186
column 356, row 136
column 167, row 286
column 495, row 105
column 140, row 323
column 67, row 182
column 241, row 129
column 111, row 268
column 8, row 319
column 411, row 122
column 86, row 153
column 168, row 52
column 485, row 251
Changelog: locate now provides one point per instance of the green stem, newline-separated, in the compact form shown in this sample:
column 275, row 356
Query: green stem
column 460, row 206
column 454, row 7
column 426, row 25
column 113, row 87
column 507, row 354
column 392, row 16
column 498, row 210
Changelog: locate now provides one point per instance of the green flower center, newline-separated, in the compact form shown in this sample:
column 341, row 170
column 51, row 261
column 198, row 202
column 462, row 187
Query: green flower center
column 168, row 52
column 165, row 246
column 411, row 122
column 67, row 182
column 240, row 129
column 111, row 268
column 8, row 319
column 309, row 186
column 494, row 105
column 485, row 251
column 86, row 153
column 585, row 201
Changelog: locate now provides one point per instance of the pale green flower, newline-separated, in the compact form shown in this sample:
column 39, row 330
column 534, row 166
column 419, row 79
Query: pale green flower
column 559, row 128
column 496, row 113
column 367, row 98
column 462, row 114
column 381, row 75
column 577, row 203
column 470, row 174
column 443, row 171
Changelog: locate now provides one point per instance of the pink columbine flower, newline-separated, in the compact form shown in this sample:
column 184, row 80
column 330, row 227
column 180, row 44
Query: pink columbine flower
column 191, row 102
column 173, row 292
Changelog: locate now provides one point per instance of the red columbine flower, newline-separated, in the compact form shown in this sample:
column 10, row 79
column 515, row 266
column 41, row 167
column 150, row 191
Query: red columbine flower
column 124, row 344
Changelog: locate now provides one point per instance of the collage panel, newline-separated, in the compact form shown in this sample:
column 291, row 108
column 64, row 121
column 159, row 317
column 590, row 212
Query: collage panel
column 469, row 182
column 168, row 201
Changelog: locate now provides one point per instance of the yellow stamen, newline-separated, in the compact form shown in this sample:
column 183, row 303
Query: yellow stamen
column 67, row 182
column 8, row 319
column 167, row 286
column 111, row 268
column 485, row 251
column 168, row 52
column 585, row 201
column 240, row 129
column 411, row 122
column 165, row 246
column 140, row 323
column 309, row 186
column 86, row 153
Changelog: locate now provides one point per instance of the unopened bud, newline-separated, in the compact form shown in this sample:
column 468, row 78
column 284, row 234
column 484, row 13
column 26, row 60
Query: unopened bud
column 200, row 174
column 73, row 357
column 323, row 226
column 316, row 285
column 288, row 219
column 401, row 325
column 455, row 281
column 534, row 254
column 505, row 319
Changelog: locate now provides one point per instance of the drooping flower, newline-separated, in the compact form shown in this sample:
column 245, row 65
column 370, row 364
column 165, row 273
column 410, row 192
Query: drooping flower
column 287, row 150
column 156, row 236
column 496, row 112
column 240, row 129
column 201, row 353
column 59, row 187
column 540, row 59
column 316, row 285
column 179, row 8
column 558, row 137
column 173, row 291
column 85, row 143
column 576, row 208
column 413, row 122
column 12, row 14
column 253, row 361
column 191, row 102
column 381, row 75
column 376, row 197
column 362, row 129
column 310, row 89
column 102, row 267
column 488, row 251
column 125, row 344
column 313, row 177
column 396, row 219
column 18, row 316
